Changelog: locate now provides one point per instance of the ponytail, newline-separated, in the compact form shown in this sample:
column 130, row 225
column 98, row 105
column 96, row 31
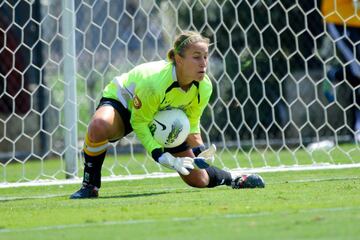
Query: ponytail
column 171, row 55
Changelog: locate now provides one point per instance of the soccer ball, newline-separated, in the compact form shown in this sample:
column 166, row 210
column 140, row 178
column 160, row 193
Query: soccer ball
column 170, row 128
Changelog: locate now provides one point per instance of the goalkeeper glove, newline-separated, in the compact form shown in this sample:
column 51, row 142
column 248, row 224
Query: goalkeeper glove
column 180, row 164
column 206, row 154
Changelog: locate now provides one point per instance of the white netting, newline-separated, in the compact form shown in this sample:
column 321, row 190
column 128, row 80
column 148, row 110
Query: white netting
column 268, row 64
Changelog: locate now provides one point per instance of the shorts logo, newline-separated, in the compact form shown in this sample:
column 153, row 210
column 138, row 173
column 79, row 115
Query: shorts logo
column 137, row 103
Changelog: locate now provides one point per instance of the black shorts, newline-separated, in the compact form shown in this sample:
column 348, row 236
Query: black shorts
column 182, row 147
column 126, row 115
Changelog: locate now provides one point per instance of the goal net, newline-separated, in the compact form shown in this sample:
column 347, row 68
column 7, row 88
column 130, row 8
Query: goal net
column 273, row 105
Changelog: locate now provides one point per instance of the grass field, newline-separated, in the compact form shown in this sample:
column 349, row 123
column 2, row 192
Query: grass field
column 294, row 205
column 123, row 164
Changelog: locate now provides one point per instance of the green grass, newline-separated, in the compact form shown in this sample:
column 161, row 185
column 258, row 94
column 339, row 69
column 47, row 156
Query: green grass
column 123, row 164
column 294, row 205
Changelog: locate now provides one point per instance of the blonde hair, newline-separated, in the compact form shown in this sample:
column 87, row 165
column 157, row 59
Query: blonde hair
column 182, row 42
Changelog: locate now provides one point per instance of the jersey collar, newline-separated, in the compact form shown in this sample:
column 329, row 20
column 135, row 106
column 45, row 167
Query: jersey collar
column 176, row 83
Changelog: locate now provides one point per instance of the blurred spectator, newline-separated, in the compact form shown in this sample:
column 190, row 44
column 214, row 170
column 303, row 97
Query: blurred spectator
column 13, row 62
column 343, row 24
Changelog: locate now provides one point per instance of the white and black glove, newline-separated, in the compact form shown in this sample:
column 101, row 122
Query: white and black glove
column 204, row 157
column 208, row 154
column 180, row 164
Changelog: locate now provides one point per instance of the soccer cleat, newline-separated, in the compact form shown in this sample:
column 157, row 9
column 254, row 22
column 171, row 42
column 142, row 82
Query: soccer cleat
column 248, row 181
column 87, row 191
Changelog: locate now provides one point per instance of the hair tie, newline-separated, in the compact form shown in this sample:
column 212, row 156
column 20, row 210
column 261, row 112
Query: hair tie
column 182, row 44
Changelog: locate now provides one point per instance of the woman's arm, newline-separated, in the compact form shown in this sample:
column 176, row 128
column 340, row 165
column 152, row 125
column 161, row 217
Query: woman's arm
column 194, row 140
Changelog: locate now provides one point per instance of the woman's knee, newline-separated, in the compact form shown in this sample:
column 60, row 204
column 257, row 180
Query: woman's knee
column 106, row 124
column 98, row 129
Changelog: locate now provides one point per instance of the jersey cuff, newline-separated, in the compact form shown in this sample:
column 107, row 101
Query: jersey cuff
column 156, row 153
column 197, row 150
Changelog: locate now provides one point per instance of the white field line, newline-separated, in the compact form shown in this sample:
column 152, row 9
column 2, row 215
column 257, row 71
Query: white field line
column 234, row 172
column 9, row 198
column 45, row 196
column 186, row 219
column 31, row 197
column 78, row 180
column 319, row 180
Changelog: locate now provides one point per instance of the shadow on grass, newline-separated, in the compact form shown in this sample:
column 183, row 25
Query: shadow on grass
column 101, row 197
column 134, row 195
column 149, row 194
column 130, row 195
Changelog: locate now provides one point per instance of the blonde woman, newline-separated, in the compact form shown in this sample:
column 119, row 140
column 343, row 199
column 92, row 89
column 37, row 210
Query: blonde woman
column 132, row 99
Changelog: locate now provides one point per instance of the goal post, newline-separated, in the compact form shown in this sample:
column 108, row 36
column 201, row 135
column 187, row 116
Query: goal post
column 268, row 64
column 70, row 107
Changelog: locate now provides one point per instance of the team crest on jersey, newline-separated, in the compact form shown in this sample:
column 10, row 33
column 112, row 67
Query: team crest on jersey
column 137, row 103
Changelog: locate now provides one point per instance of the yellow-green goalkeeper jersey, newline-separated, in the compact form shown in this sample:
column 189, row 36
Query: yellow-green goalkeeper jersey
column 151, row 87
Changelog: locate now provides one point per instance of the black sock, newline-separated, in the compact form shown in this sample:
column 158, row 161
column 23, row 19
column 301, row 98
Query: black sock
column 218, row 177
column 92, row 169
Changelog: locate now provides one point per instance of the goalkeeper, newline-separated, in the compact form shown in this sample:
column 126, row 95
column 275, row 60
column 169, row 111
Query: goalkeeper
column 130, row 102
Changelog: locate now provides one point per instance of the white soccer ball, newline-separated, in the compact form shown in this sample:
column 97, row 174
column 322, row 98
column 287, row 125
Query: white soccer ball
column 170, row 128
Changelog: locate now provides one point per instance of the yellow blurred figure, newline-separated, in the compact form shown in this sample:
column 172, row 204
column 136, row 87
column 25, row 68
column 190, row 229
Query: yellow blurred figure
column 341, row 12
column 342, row 19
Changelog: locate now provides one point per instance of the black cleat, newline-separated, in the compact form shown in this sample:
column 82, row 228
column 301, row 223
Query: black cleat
column 248, row 181
column 87, row 191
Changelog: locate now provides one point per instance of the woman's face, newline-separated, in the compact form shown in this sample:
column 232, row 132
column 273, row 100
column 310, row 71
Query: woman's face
column 194, row 62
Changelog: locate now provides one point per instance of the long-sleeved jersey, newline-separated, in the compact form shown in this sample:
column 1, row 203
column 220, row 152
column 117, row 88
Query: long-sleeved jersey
column 152, row 87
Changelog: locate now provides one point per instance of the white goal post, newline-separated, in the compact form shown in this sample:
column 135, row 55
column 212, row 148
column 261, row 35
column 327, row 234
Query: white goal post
column 268, row 64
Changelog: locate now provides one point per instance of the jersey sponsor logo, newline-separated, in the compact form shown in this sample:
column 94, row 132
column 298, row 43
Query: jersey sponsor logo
column 137, row 103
